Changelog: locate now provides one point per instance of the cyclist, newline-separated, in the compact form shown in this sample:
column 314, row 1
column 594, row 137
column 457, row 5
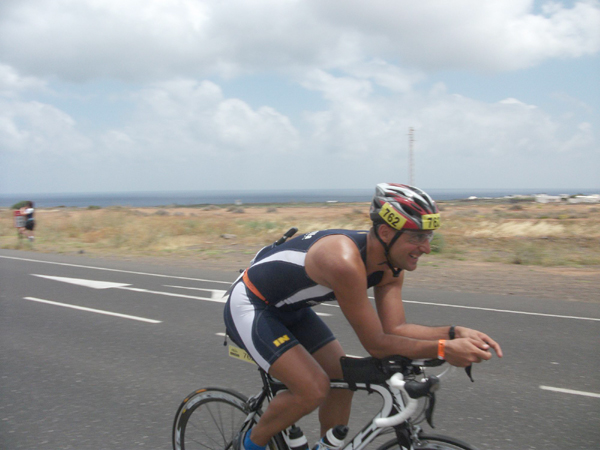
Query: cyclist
column 268, row 310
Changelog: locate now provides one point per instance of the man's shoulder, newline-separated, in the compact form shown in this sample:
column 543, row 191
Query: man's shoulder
column 353, row 234
column 336, row 252
column 337, row 237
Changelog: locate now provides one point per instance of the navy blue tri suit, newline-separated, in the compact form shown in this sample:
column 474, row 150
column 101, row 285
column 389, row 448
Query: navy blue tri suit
column 29, row 220
column 268, row 310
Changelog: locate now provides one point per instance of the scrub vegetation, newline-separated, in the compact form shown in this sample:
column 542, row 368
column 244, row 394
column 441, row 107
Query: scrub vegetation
column 525, row 233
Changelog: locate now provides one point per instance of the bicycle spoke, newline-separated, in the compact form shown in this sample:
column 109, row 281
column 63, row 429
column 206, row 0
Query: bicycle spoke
column 217, row 425
column 202, row 433
column 202, row 429
column 211, row 422
column 219, row 422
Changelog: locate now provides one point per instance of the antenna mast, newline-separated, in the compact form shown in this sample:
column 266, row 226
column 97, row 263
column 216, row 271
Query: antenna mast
column 411, row 158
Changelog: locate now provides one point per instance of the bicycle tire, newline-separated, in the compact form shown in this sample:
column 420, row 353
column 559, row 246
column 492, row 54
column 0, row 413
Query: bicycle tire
column 431, row 442
column 210, row 419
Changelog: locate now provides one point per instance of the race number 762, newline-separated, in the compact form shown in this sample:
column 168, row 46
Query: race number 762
column 431, row 221
column 392, row 217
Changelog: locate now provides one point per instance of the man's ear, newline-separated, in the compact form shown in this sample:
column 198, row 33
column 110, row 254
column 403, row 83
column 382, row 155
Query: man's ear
column 386, row 232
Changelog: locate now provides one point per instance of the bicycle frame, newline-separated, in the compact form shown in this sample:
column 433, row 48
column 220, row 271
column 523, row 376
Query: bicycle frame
column 392, row 404
column 398, row 381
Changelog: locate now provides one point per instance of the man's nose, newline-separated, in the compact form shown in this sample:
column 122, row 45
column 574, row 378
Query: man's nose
column 425, row 247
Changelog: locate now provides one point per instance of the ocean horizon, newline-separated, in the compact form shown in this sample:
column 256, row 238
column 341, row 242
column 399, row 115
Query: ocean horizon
column 189, row 198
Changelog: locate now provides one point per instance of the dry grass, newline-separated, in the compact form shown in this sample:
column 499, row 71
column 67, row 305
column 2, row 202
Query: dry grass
column 523, row 233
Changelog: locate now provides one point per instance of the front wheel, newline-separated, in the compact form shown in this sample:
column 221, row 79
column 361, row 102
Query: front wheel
column 210, row 419
column 430, row 442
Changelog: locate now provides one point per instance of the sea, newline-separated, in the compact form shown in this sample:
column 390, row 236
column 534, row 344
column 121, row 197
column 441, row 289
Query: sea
column 189, row 198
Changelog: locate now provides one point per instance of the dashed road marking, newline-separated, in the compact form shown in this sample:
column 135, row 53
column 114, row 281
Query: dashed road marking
column 97, row 311
column 570, row 391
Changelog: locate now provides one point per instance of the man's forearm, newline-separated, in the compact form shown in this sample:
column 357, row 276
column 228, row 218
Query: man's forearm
column 422, row 332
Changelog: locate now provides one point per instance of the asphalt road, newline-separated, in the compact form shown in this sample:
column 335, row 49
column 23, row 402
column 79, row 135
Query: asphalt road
column 111, row 376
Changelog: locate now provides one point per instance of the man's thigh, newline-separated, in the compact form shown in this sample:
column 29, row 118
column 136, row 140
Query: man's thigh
column 328, row 357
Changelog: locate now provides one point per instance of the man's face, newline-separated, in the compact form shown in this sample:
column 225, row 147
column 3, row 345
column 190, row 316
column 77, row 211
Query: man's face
column 409, row 247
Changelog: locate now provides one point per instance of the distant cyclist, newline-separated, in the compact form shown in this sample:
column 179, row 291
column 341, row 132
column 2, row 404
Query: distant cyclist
column 268, row 310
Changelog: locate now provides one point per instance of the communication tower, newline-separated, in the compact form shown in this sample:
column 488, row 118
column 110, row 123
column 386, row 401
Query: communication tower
column 411, row 156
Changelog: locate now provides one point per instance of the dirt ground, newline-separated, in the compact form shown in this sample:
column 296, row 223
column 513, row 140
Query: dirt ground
column 581, row 284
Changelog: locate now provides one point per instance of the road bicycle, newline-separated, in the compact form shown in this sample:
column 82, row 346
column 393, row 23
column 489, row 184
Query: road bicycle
column 212, row 417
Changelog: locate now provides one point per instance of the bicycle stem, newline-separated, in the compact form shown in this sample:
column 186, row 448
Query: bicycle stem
column 397, row 381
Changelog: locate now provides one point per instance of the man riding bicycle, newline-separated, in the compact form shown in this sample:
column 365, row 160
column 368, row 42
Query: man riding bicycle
column 268, row 310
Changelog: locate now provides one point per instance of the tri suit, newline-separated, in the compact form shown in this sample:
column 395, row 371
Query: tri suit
column 29, row 220
column 268, row 309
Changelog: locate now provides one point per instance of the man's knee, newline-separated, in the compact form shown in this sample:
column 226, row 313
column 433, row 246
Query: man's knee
column 315, row 392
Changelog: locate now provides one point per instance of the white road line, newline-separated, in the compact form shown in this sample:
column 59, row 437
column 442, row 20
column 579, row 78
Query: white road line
column 187, row 287
column 214, row 293
column 97, row 311
column 504, row 311
column 115, row 270
column 324, row 304
column 172, row 294
column 94, row 284
column 570, row 391
column 485, row 309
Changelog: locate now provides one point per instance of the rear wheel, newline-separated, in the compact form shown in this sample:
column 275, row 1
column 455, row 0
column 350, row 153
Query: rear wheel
column 210, row 419
column 431, row 442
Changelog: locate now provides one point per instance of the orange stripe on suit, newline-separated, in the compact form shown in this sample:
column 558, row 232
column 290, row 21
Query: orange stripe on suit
column 251, row 286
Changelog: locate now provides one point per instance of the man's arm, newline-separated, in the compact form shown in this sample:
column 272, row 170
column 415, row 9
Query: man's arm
column 390, row 308
column 335, row 262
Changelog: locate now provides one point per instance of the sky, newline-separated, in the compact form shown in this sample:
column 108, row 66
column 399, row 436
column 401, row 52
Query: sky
column 100, row 96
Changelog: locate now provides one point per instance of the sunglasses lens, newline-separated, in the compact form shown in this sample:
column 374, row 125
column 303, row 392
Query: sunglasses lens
column 420, row 238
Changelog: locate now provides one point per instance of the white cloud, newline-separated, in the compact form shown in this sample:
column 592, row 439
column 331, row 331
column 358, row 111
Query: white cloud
column 79, row 40
column 386, row 75
column 514, row 101
column 359, row 123
column 583, row 138
column 183, row 120
column 493, row 35
column 31, row 128
column 182, row 124
column 368, row 67
column 11, row 83
column 153, row 39
column 458, row 127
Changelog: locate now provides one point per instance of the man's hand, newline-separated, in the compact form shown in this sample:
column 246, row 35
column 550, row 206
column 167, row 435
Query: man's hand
column 463, row 352
column 471, row 346
column 484, row 341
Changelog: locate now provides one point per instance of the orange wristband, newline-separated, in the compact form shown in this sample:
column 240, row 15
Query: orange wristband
column 442, row 349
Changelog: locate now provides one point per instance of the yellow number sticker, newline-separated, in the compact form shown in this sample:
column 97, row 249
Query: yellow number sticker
column 392, row 217
column 236, row 352
column 431, row 221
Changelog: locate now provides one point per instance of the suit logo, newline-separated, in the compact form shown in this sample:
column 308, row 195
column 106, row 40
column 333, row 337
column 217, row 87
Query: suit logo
column 281, row 340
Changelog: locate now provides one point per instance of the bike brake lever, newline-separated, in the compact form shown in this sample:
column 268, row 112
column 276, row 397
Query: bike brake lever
column 429, row 412
column 468, row 370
